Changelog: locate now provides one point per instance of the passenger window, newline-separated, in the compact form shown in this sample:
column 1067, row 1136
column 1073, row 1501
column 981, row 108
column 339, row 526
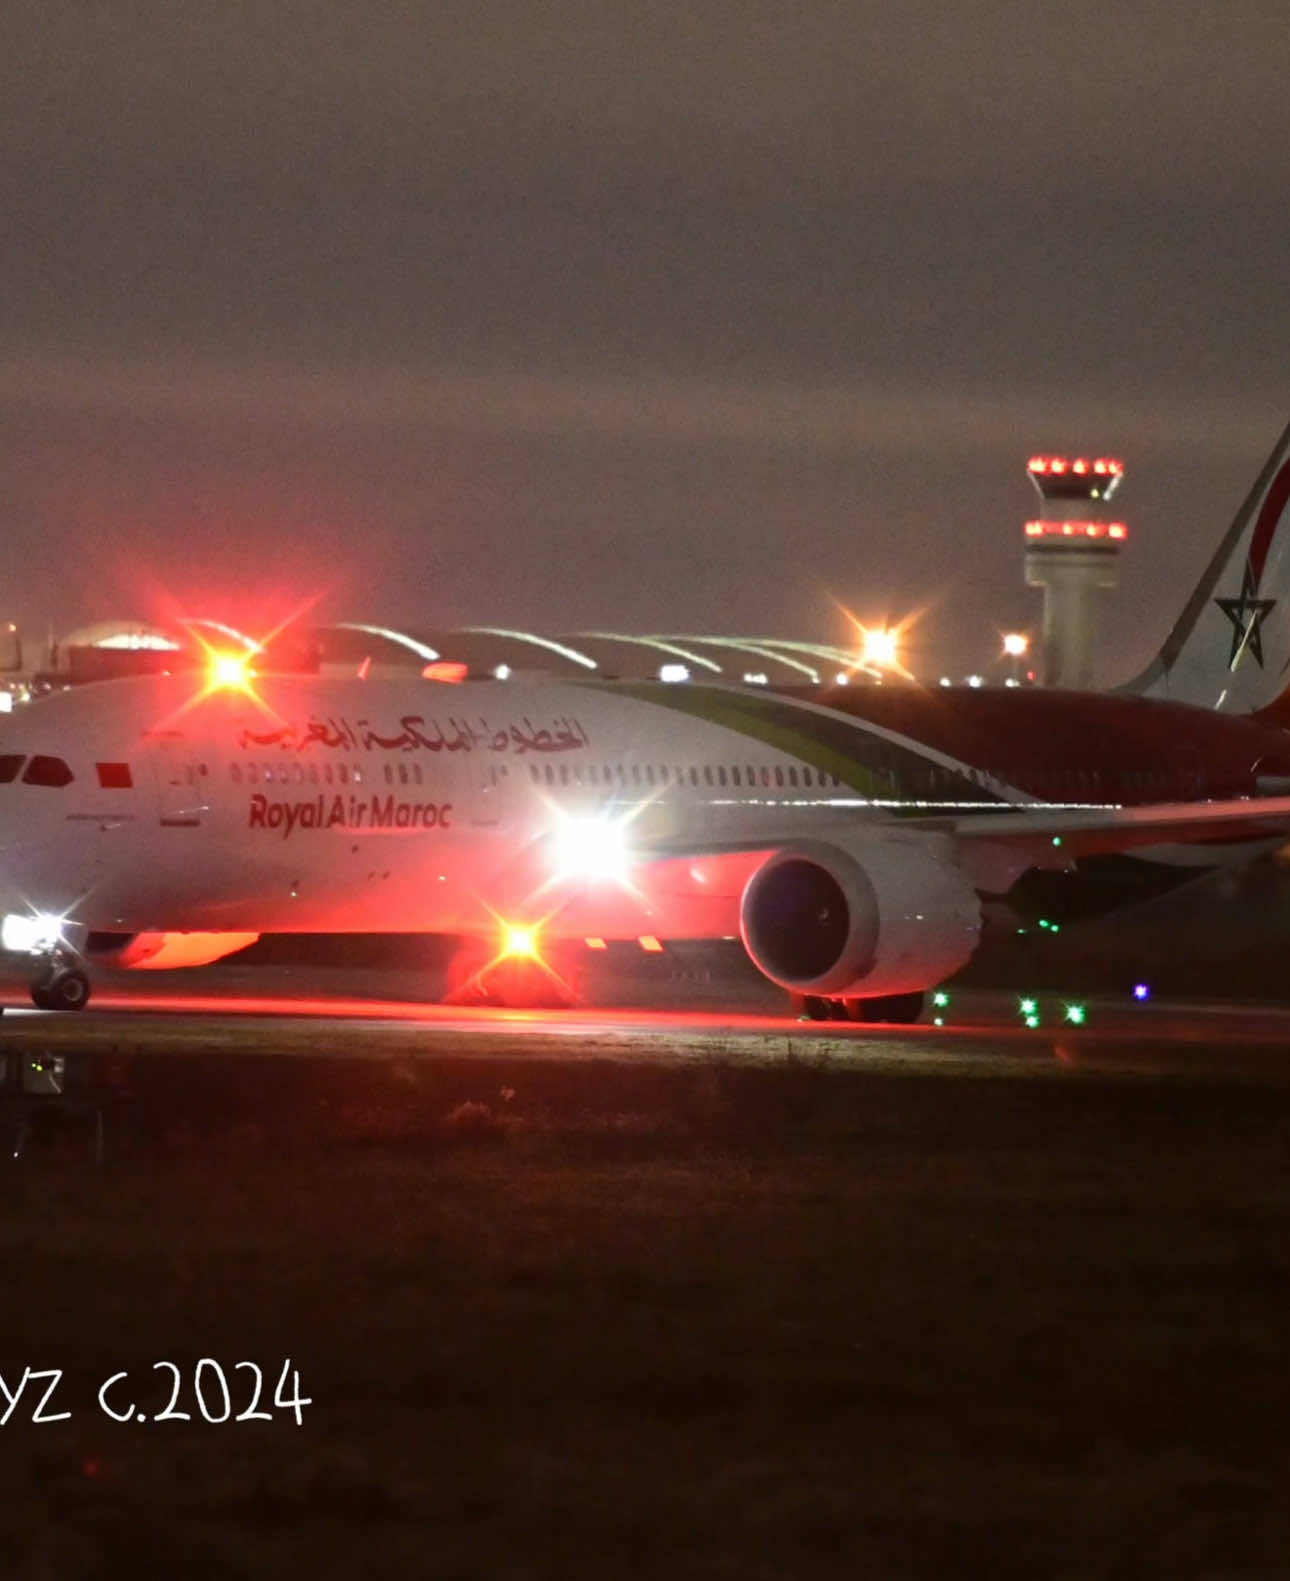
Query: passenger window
column 403, row 774
column 47, row 771
column 313, row 773
column 792, row 776
column 342, row 773
column 707, row 774
column 779, row 776
column 235, row 773
column 10, row 763
column 721, row 774
column 734, row 775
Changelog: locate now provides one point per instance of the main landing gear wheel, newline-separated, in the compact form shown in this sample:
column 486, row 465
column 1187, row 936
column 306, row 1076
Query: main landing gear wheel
column 68, row 988
column 818, row 1007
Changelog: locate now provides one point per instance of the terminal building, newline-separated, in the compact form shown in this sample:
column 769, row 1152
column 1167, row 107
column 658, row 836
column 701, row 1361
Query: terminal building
column 113, row 648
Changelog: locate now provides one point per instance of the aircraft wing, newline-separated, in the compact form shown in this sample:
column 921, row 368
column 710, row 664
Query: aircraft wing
column 1093, row 831
column 994, row 847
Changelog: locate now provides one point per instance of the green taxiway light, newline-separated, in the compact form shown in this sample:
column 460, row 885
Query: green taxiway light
column 940, row 999
column 1032, row 1021
column 938, row 1021
column 1057, row 839
column 1028, row 1007
column 1076, row 1015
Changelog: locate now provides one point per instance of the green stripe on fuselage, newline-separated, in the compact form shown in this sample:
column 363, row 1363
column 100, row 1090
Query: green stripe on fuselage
column 878, row 769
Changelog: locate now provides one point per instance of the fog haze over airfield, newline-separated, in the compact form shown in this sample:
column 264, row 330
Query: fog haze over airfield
column 658, row 318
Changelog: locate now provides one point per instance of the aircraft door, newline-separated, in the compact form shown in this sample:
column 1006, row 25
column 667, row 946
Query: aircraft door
column 485, row 790
column 181, row 800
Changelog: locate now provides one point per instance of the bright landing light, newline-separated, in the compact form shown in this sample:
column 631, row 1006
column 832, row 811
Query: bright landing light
column 229, row 671
column 520, row 941
column 26, row 935
column 591, row 848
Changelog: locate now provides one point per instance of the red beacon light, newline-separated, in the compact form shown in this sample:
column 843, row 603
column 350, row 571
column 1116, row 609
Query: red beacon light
column 1103, row 466
column 451, row 671
column 1050, row 529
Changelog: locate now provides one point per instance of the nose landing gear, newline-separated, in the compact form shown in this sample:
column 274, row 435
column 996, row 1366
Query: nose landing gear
column 60, row 984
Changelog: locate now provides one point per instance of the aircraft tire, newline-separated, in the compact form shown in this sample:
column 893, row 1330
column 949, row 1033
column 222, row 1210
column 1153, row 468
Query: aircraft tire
column 64, row 990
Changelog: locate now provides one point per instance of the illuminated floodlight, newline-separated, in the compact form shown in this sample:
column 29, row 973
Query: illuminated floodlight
column 673, row 673
column 880, row 646
column 30, row 934
column 592, row 848
column 1015, row 644
column 756, row 678
column 938, row 1021
column 502, row 672
column 976, row 680
column 842, row 678
column 1142, row 992
column 1077, row 1015
column 6, row 702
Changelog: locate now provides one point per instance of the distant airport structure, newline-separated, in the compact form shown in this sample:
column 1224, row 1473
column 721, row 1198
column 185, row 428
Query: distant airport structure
column 112, row 648
column 1071, row 552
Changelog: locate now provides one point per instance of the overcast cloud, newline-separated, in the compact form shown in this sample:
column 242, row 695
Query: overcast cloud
column 665, row 317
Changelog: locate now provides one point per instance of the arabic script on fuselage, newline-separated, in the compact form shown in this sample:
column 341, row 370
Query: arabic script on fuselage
column 416, row 733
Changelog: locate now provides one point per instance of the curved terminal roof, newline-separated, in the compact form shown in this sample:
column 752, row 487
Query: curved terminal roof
column 346, row 646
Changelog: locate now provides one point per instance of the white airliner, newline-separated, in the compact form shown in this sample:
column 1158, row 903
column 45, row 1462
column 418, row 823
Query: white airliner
column 849, row 836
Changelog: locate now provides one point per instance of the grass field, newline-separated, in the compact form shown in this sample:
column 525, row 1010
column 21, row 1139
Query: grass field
column 611, row 1320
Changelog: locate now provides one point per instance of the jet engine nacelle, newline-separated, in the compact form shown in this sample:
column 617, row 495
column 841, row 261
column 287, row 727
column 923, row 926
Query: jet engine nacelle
column 884, row 916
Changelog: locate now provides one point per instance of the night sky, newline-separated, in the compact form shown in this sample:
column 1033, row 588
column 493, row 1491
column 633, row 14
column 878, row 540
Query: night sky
column 658, row 317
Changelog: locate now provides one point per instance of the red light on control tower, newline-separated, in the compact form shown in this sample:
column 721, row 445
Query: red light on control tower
column 1071, row 552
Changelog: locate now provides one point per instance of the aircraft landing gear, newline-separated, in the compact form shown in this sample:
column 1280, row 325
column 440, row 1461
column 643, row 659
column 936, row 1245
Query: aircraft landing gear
column 60, row 984
column 889, row 1009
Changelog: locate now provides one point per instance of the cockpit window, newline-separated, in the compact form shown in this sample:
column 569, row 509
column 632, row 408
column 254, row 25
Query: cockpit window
column 47, row 771
column 10, row 763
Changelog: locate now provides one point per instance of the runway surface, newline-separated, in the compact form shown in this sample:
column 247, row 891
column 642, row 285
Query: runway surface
column 982, row 1035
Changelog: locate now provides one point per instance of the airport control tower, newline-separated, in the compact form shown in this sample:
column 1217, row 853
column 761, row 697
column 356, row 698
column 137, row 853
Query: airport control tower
column 1071, row 552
